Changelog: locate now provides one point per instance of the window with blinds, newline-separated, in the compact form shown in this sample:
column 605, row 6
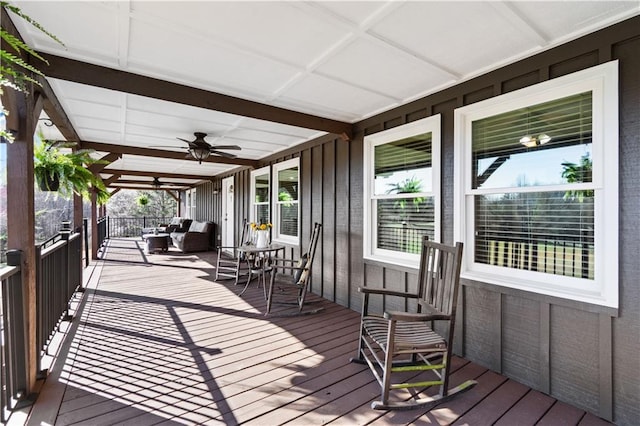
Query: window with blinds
column 542, row 145
column 536, row 187
column 402, row 183
column 260, row 192
column 285, row 196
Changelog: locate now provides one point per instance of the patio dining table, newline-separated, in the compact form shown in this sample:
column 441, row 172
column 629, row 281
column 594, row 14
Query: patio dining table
column 259, row 263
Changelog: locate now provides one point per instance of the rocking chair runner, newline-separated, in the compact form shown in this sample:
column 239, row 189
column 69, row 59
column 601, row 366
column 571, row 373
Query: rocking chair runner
column 290, row 278
column 403, row 343
column 231, row 266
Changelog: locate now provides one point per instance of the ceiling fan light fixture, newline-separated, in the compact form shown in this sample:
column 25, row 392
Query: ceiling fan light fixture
column 533, row 141
column 200, row 153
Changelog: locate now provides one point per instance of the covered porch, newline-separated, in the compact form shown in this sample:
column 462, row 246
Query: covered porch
column 156, row 340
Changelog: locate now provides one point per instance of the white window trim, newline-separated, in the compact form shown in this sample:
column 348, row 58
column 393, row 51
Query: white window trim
column 262, row 171
column 602, row 80
column 275, row 211
column 425, row 125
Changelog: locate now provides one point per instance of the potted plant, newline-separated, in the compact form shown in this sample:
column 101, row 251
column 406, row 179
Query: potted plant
column 67, row 172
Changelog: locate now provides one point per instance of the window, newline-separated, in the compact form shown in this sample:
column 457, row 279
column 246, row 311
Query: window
column 402, row 191
column 285, row 201
column 260, row 190
column 536, row 191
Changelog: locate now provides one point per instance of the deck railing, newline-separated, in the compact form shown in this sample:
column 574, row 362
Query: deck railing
column 58, row 268
column 103, row 231
column 127, row 226
column 13, row 374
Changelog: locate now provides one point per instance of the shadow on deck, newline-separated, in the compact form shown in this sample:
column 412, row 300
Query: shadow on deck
column 157, row 341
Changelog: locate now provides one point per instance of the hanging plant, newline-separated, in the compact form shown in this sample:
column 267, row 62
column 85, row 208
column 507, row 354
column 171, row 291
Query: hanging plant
column 67, row 172
column 142, row 200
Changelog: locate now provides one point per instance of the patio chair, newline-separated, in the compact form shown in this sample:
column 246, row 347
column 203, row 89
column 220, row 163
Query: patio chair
column 401, row 348
column 290, row 278
column 232, row 264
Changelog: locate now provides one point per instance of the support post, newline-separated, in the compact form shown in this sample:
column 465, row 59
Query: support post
column 20, row 209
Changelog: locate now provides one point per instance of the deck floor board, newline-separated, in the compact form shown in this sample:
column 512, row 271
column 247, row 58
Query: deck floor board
column 159, row 342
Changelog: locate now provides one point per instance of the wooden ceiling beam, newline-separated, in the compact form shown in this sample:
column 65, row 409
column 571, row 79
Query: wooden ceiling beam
column 109, row 78
column 162, row 153
column 155, row 174
column 111, row 180
column 144, row 182
column 108, row 159
column 174, row 196
column 146, row 188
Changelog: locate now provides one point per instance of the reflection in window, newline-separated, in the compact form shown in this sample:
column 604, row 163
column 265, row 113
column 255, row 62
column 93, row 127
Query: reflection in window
column 529, row 146
column 544, row 144
column 260, row 190
column 536, row 187
column 402, row 179
column 402, row 191
column 286, row 201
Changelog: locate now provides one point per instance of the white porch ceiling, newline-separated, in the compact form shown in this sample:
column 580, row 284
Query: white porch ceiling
column 340, row 60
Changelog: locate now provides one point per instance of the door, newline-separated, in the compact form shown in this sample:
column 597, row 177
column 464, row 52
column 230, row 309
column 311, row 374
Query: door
column 228, row 224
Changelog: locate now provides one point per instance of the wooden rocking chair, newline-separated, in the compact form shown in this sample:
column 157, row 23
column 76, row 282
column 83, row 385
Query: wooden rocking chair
column 290, row 279
column 404, row 345
column 232, row 264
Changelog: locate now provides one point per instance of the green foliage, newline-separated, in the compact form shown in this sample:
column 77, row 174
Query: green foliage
column 70, row 168
column 15, row 71
column 143, row 199
column 577, row 173
column 410, row 185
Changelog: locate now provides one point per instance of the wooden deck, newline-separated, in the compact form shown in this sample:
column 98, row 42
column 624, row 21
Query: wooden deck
column 159, row 342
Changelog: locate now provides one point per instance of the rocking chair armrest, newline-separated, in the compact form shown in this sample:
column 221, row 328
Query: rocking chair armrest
column 408, row 316
column 276, row 260
column 368, row 290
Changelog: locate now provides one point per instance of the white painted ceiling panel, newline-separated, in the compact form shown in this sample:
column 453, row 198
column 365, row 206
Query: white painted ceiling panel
column 208, row 65
column 462, row 37
column 341, row 60
column 382, row 69
column 325, row 96
column 557, row 19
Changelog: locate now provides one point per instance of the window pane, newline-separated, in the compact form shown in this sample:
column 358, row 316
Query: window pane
column 550, row 232
column 402, row 223
column 288, row 219
column 288, row 184
column 530, row 146
column 262, row 188
column 403, row 166
column 262, row 213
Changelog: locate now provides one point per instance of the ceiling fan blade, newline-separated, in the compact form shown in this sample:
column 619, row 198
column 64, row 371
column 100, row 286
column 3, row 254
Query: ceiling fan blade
column 223, row 154
column 234, row 147
column 184, row 140
column 165, row 146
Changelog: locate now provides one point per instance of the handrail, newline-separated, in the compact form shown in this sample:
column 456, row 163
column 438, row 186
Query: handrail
column 13, row 374
column 58, row 277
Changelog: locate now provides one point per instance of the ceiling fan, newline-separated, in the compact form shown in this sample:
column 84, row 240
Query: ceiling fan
column 201, row 149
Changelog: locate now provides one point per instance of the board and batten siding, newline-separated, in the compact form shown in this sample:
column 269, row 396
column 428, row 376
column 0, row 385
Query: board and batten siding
column 580, row 354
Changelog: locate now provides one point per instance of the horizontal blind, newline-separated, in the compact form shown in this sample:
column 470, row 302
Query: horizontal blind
column 551, row 232
column 403, row 155
column 565, row 121
column 402, row 223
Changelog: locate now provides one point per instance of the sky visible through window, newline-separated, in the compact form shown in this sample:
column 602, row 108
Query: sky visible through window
column 533, row 168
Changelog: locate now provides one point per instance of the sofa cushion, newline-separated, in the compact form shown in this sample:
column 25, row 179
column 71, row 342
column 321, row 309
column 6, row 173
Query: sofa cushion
column 176, row 221
column 198, row 226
